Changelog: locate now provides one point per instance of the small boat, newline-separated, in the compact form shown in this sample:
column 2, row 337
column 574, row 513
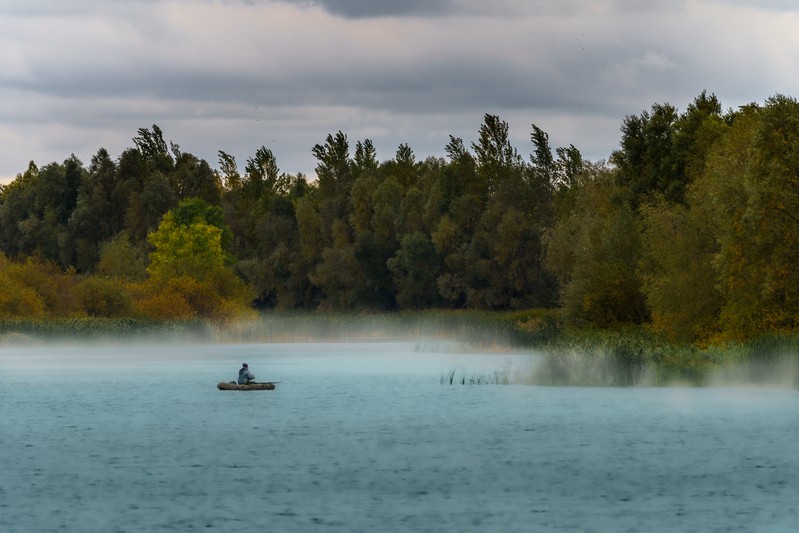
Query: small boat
column 232, row 385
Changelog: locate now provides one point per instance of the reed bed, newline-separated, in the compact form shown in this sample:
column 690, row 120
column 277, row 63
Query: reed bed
column 637, row 357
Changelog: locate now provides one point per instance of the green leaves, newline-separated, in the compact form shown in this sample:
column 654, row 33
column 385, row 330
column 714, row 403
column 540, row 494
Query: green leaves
column 693, row 227
column 599, row 248
column 415, row 268
column 189, row 242
column 678, row 274
column 192, row 249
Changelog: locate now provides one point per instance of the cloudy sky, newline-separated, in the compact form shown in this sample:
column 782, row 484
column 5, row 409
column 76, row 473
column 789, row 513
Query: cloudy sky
column 233, row 75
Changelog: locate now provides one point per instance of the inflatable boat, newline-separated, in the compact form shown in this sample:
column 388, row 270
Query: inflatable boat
column 232, row 385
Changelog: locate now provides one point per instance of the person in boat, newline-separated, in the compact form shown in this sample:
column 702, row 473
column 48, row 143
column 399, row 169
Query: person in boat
column 245, row 376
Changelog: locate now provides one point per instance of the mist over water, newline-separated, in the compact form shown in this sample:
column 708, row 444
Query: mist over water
column 363, row 436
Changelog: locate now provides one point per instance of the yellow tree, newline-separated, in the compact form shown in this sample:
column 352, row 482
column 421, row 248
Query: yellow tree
column 16, row 298
column 188, row 263
column 192, row 250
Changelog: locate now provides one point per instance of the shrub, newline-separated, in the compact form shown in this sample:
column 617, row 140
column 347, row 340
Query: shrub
column 19, row 301
column 104, row 297
column 167, row 304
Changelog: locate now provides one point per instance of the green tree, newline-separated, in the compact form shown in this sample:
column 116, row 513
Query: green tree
column 457, row 178
column 131, row 177
column 679, row 278
column 231, row 178
column 119, row 258
column 698, row 128
column 36, row 208
column 496, row 157
column 376, row 289
column 681, row 240
column 268, row 233
column 338, row 274
column 415, row 268
column 403, row 168
column 543, row 162
column 193, row 210
column 95, row 217
column 104, row 297
column 148, row 205
column 372, row 212
column 194, row 178
column 152, row 146
column 262, row 171
column 193, row 249
column 334, row 172
column 16, row 205
column 752, row 177
column 595, row 253
column 456, row 201
column 365, row 159
column 646, row 158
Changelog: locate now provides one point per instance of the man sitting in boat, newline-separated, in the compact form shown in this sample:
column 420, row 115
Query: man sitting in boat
column 245, row 376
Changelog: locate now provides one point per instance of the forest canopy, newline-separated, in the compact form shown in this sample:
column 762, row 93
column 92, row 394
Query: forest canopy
column 691, row 227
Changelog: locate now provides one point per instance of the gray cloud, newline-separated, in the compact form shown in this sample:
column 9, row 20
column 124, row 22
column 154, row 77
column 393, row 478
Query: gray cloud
column 236, row 74
column 384, row 8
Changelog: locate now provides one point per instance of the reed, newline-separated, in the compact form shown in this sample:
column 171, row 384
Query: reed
column 639, row 358
column 506, row 375
column 474, row 378
column 769, row 360
column 448, row 377
column 636, row 356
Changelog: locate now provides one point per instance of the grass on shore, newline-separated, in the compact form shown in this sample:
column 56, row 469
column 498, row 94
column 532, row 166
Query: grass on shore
column 90, row 329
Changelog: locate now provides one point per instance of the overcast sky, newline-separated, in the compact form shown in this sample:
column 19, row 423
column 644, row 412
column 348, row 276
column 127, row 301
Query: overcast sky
column 233, row 75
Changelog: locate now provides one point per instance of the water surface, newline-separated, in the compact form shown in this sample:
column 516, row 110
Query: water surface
column 364, row 437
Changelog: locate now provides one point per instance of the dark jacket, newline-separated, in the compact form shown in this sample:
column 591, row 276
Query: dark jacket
column 245, row 375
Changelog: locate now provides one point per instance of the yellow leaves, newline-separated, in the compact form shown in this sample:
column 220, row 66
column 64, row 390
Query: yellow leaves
column 104, row 297
column 745, row 201
column 34, row 289
column 184, row 250
column 444, row 237
column 120, row 259
column 17, row 300
column 188, row 277
column 677, row 272
column 165, row 304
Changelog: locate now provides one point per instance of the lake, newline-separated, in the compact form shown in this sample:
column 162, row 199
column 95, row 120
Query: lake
column 363, row 436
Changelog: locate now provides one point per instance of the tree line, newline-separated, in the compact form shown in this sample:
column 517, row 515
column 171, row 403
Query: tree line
column 689, row 227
